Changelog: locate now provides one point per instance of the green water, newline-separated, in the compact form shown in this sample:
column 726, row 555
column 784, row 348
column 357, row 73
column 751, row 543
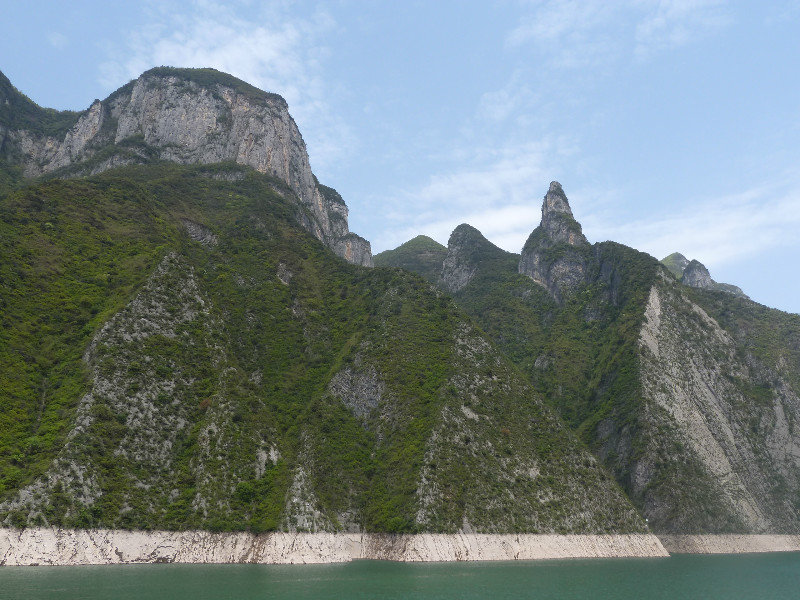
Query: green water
column 769, row 576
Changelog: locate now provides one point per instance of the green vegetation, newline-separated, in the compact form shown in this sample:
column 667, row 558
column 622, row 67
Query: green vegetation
column 17, row 111
column 207, row 78
column 770, row 335
column 421, row 255
column 201, row 373
column 675, row 263
column 584, row 357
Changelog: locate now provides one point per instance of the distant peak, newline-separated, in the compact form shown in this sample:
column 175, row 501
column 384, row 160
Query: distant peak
column 555, row 201
column 676, row 263
column 465, row 229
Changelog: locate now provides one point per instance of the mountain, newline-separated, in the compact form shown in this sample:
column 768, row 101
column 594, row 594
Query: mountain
column 185, row 116
column 687, row 393
column 695, row 274
column 421, row 255
column 182, row 348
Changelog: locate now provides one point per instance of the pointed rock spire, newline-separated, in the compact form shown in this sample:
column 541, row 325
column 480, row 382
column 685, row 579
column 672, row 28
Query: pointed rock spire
column 557, row 254
column 557, row 219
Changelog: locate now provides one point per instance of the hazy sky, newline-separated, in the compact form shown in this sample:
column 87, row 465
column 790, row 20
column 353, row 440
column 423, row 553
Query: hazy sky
column 672, row 125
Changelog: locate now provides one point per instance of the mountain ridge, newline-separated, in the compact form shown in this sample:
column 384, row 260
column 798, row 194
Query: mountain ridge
column 189, row 116
column 621, row 348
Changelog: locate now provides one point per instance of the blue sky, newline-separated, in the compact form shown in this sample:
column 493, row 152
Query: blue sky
column 672, row 125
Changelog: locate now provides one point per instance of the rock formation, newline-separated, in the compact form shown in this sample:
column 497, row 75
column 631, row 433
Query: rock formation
column 557, row 254
column 187, row 116
column 460, row 262
column 695, row 274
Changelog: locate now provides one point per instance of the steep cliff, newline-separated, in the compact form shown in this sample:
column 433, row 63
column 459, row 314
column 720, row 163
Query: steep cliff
column 720, row 449
column 685, row 391
column 187, row 116
column 557, row 254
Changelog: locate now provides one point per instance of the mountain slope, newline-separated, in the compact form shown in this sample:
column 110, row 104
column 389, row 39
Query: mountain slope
column 178, row 353
column 688, row 395
column 186, row 116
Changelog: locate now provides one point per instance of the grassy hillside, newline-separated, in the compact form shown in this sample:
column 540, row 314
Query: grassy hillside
column 177, row 353
column 421, row 255
column 17, row 111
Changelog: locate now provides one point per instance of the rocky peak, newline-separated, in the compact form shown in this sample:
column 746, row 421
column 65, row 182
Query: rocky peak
column 696, row 275
column 676, row 263
column 557, row 219
column 557, row 254
column 193, row 116
column 466, row 249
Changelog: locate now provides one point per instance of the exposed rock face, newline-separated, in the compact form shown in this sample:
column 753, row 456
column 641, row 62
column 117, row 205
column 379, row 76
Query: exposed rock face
column 696, row 275
column 103, row 546
column 717, row 457
column 557, row 254
column 467, row 250
column 458, row 269
column 166, row 114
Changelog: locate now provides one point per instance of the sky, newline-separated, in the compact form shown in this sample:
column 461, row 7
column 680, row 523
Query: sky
column 673, row 125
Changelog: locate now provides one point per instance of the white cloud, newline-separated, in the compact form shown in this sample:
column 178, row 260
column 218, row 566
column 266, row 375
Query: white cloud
column 269, row 48
column 673, row 23
column 499, row 192
column 715, row 231
column 583, row 33
column 503, row 201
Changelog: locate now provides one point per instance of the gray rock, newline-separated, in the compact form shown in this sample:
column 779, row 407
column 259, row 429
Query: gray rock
column 467, row 249
column 166, row 115
column 557, row 254
column 696, row 275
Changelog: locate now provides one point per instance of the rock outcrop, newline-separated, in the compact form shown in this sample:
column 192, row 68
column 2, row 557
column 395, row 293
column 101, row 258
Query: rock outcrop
column 695, row 274
column 459, row 264
column 190, row 116
column 467, row 251
column 557, row 254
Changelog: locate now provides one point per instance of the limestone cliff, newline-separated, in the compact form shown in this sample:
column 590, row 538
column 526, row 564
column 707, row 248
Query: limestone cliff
column 719, row 445
column 187, row 116
column 557, row 254
column 467, row 249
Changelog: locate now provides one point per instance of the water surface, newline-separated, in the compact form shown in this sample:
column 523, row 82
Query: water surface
column 773, row 576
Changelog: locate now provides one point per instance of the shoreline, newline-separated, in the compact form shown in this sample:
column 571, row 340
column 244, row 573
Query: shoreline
column 40, row 546
column 43, row 546
column 729, row 543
